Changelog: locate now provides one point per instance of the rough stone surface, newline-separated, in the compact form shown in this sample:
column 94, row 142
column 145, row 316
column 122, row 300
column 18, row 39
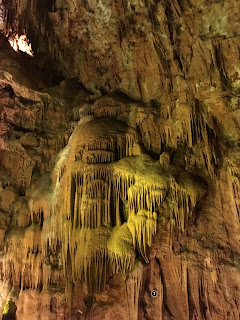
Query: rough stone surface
column 167, row 70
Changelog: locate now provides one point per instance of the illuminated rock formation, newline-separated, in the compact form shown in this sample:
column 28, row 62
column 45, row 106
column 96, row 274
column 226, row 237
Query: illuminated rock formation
column 120, row 160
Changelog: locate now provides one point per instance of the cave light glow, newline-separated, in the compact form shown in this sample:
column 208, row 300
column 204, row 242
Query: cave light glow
column 21, row 43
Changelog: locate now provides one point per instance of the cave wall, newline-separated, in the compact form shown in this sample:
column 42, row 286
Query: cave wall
column 146, row 49
column 142, row 96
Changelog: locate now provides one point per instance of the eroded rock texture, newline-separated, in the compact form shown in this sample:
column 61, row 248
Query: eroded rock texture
column 119, row 160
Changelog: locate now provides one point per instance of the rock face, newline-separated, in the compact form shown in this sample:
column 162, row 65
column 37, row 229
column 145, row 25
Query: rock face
column 120, row 160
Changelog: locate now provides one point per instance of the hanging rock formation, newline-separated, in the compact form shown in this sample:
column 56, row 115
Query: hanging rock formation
column 120, row 160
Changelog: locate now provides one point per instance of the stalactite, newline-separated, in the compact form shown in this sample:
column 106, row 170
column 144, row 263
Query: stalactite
column 143, row 226
column 183, row 201
column 183, row 124
column 91, row 186
column 164, row 160
column 102, row 172
column 88, row 251
column 133, row 288
column 24, row 256
column 120, row 250
column 24, row 215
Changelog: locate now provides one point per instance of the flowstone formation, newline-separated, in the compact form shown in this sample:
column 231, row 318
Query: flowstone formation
column 102, row 208
column 119, row 160
column 106, row 196
column 106, row 215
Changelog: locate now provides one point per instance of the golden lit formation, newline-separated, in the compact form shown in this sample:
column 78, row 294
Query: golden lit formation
column 21, row 43
column 101, row 206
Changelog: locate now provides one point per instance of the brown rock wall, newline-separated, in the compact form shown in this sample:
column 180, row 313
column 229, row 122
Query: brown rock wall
column 166, row 70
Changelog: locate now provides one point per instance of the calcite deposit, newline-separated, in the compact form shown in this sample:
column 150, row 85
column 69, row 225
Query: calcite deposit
column 120, row 160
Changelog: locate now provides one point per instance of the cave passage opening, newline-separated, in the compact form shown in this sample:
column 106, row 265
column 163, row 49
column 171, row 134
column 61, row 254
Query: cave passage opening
column 21, row 43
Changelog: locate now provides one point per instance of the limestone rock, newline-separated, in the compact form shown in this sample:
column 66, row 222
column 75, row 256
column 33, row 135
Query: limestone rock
column 120, row 160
